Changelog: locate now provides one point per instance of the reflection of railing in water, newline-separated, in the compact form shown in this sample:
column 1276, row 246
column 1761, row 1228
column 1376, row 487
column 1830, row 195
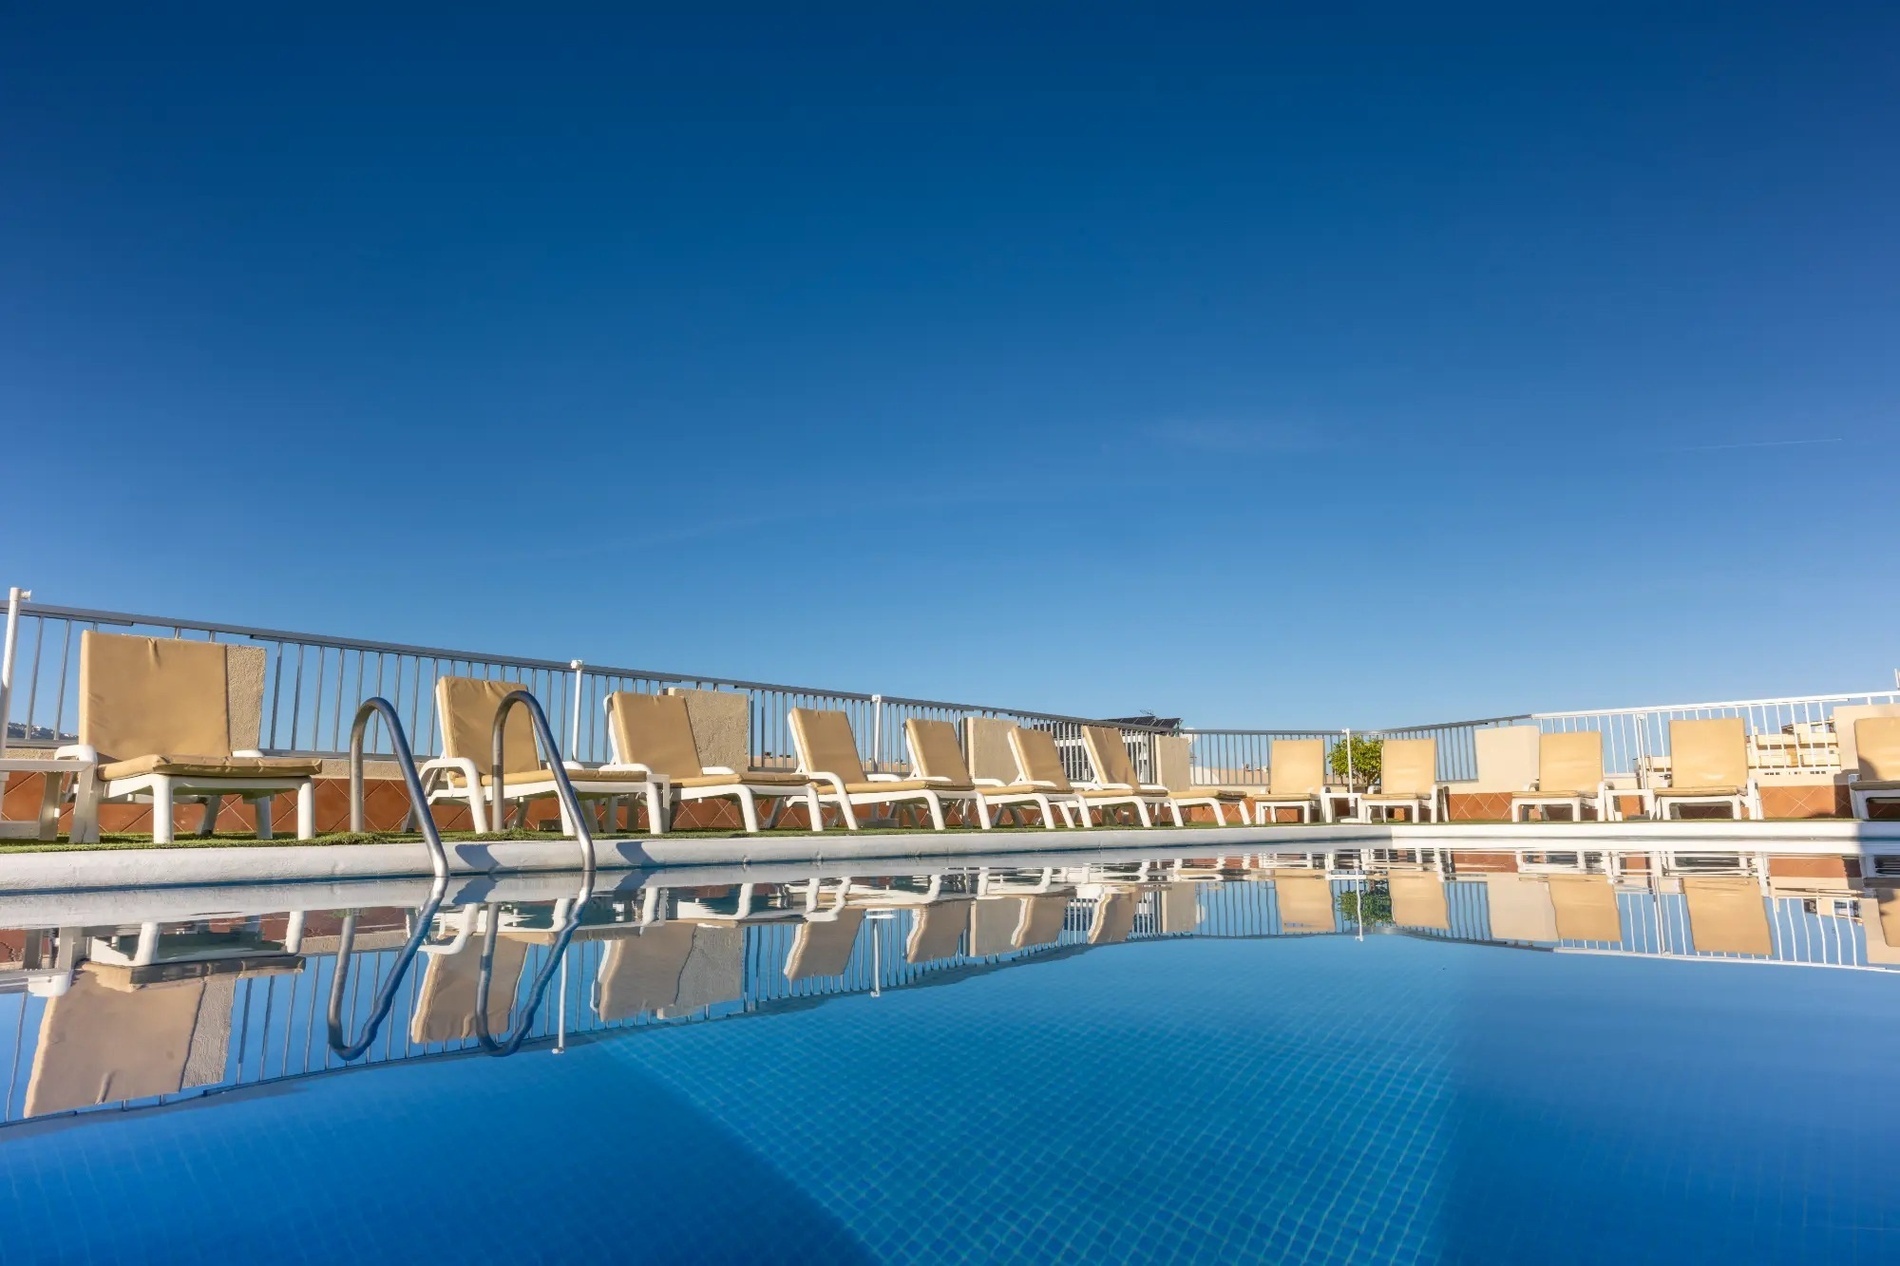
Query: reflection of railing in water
column 743, row 951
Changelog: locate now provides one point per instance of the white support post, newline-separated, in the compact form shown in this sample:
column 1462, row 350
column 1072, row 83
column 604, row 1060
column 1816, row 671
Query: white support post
column 574, row 717
column 877, row 733
column 14, row 597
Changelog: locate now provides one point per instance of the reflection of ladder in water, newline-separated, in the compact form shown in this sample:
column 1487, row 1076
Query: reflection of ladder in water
column 424, row 921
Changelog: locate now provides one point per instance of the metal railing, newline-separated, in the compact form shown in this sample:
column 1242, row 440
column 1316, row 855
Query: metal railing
column 312, row 685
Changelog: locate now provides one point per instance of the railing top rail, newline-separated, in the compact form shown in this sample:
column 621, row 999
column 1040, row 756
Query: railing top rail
column 1278, row 732
column 1447, row 725
column 284, row 635
column 1781, row 701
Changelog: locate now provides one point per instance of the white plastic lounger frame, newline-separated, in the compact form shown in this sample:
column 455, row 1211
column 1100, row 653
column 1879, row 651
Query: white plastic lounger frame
column 1708, row 764
column 465, row 711
column 1115, row 774
column 1408, row 779
column 828, row 756
column 660, row 728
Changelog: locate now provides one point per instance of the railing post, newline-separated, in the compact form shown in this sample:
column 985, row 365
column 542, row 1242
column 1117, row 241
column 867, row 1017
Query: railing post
column 14, row 595
column 877, row 733
column 1349, row 779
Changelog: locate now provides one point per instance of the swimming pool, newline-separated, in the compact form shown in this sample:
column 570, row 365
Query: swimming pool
column 1516, row 1057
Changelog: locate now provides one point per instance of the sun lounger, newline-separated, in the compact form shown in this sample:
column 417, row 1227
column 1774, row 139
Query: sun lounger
column 1708, row 764
column 1115, row 773
column 652, row 737
column 1296, row 779
column 936, row 757
column 445, row 1006
column 1569, row 773
column 1877, row 751
column 1114, row 916
column 1408, row 779
column 1727, row 915
column 155, row 717
column 1040, row 764
column 1519, row 908
column 1174, row 758
column 465, row 714
column 828, row 756
column 641, row 973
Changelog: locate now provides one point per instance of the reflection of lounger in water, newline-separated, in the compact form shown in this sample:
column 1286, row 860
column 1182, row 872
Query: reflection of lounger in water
column 1727, row 916
column 670, row 969
column 936, row 931
column 1180, row 908
column 1586, row 908
column 1519, row 908
column 1306, row 903
column 105, row 1040
column 1418, row 900
column 823, row 947
column 445, row 1010
column 1114, row 916
column 1002, row 925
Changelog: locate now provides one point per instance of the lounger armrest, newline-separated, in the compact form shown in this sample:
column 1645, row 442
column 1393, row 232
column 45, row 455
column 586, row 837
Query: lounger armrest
column 1106, row 786
column 937, row 778
column 988, row 782
column 1155, row 788
column 453, row 764
column 249, row 753
column 626, row 767
column 819, row 779
column 727, row 770
column 891, row 778
column 77, row 751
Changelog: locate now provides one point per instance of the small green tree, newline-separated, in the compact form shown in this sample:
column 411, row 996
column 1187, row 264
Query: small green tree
column 1366, row 757
column 1372, row 907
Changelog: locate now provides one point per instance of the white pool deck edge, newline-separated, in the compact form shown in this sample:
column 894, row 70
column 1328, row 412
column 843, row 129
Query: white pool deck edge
column 280, row 864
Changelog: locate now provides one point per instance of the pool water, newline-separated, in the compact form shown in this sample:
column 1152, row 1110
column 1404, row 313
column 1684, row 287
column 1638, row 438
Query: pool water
column 1174, row 1064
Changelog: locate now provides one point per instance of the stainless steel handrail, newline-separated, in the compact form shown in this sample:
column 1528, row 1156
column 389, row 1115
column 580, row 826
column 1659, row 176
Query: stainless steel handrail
column 551, row 753
column 386, row 996
column 406, row 761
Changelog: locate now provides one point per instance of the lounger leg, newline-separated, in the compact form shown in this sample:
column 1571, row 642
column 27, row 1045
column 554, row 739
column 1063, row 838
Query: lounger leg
column 209, row 825
column 161, row 810
column 85, row 807
column 1174, row 811
column 982, row 808
column 936, row 809
column 307, row 810
column 748, row 811
column 844, row 811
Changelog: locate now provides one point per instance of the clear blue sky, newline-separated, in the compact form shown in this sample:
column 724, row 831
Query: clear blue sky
column 1357, row 366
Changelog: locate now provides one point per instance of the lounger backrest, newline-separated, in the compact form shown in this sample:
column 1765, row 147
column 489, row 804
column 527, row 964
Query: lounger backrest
column 1877, row 746
column 465, row 709
column 1570, row 762
column 1174, row 761
column 1408, row 767
column 1109, row 754
column 653, row 730
column 144, row 696
column 934, row 752
column 1037, row 758
column 1297, row 767
column 1708, row 753
column 825, row 744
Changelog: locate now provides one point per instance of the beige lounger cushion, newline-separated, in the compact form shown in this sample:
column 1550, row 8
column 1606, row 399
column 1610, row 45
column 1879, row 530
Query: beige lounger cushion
column 97, row 1043
column 1396, row 797
column 1291, row 797
column 1297, row 767
column 1707, row 753
column 1016, row 789
column 1043, row 915
column 934, row 753
column 1519, row 908
column 1570, row 763
column 214, row 767
column 751, row 778
column 642, row 973
column 1230, row 794
column 825, row 744
column 1114, row 918
column 1408, row 769
column 936, row 931
column 1108, row 753
column 139, row 695
column 1877, row 749
column 1037, row 757
column 533, row 777
column 655, row 731
column 465, row 711
column 451, row 985
column 892, row 788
